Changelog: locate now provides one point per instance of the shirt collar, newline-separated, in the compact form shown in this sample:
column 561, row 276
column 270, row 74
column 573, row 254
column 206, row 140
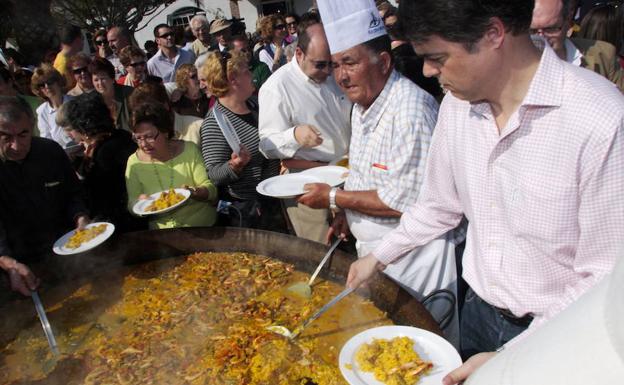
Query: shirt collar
column 370, row 118
column 546, row 85
column 573, row 55
column 161, row 56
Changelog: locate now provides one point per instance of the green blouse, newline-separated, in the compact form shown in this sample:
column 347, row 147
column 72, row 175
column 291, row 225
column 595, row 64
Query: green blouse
column 186, row 168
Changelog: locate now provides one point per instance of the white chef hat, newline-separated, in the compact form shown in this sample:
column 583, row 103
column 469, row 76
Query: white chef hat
column 348, row 23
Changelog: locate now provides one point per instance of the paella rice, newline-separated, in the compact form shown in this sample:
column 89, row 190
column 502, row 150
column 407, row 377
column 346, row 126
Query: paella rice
column 393, row 362
column 85, row 235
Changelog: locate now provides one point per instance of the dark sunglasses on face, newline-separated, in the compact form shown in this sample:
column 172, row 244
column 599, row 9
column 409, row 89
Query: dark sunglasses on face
column 279, row 26
column 166, row 35
column 225, row 56
column 137, row 64
column 78, row 71
column 101, row 42
column 321, row 64
column 48, row 83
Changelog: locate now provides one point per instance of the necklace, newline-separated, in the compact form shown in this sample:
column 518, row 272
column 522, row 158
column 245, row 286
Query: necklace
column 171, row 175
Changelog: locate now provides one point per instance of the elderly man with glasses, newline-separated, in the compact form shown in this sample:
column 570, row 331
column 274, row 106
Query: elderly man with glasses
column 553, row 18
column 304, row 119
column 169, row 57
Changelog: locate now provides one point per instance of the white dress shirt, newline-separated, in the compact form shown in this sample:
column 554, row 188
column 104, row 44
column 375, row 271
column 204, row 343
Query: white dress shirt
column 289, row 98
column 165, row 68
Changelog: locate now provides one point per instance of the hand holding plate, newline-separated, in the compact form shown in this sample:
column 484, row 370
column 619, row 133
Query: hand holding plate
column 316, row 195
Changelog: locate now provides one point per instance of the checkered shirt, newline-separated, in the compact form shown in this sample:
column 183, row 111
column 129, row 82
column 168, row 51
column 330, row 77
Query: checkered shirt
column 389, row 145
column 543, row 197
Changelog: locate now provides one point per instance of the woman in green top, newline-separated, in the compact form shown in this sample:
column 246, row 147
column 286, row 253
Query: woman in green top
column 161, row 163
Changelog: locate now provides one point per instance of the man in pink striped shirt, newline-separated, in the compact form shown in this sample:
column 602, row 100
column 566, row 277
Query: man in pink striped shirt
column 530, row 149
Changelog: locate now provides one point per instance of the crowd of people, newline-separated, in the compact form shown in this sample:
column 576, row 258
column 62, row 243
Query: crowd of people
column 497, row 123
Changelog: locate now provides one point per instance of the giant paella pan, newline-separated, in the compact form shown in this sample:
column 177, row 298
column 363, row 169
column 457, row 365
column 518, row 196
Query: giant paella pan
column 191, row 306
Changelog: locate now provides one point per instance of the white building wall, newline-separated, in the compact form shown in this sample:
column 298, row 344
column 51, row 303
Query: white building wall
column 249, row 10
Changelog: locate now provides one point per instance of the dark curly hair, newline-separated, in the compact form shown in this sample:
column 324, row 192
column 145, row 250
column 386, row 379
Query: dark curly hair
column 88, row 114
column 155, row 114
column 100, row 65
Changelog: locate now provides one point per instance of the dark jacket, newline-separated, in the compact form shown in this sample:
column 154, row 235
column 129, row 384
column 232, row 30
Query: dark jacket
column 39, row 199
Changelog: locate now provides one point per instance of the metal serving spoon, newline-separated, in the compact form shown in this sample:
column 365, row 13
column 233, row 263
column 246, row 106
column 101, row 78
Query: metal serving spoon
column 304, row 289
column 47, row 329
column 292, row 335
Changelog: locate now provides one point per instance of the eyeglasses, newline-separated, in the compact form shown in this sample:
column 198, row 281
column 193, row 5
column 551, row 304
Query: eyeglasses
column 145, row 138
column 322, row 64
column 166, row 35
column 101, row 42
column 225, row 56
column 548, row 31
column 78, row 71
column 47, row 83
column 293, row 24
column 137, row 64
column 279, row 26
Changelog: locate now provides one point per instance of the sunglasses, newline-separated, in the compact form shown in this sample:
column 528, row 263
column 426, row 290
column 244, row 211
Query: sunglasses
column 48, row 83
column 279, row 26
column 137, row 64
column 101, row 42
column 166, row 35
column 78, row 71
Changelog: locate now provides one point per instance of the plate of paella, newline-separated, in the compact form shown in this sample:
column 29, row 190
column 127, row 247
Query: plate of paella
column 79, row 241
column 161, row 202
column 397, row 355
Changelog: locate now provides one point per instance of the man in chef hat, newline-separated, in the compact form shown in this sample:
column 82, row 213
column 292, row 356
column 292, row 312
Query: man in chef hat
column 392, row 122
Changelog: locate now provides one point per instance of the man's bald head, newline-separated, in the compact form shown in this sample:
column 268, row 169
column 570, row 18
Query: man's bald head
column 313, row 54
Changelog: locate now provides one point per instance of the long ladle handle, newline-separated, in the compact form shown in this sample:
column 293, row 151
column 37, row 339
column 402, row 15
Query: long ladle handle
column 331, row 303
column 325, row 258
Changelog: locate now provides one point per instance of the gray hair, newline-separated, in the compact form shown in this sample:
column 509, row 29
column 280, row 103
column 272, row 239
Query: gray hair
column 199, row 19
column 12, row 108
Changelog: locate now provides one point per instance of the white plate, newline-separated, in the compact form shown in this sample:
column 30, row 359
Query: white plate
column 285, row 186
column 60, row 249
column 430, row 347
column 332, row 175
column 141, row 205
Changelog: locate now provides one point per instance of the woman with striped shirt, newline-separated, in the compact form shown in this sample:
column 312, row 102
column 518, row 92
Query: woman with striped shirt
column 228, row 78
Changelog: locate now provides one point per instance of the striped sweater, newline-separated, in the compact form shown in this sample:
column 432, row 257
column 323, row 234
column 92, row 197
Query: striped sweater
column 216, row 153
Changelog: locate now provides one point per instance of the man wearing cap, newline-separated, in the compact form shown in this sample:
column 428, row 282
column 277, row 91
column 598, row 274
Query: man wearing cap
column 392, row 123
column 220, row 29
column 529, row 148
column 169, row 57
column 304, row 119
column 200, row 28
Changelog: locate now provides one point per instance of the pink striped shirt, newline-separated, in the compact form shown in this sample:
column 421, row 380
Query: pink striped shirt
column 545, row 197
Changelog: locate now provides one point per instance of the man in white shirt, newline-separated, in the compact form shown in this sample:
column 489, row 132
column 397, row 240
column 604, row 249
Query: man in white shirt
column 553, row 18
column 118, row 38
column 304, row 120
column 169, row 57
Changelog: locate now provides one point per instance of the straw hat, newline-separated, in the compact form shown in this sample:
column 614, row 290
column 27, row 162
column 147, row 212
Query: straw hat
column 219, row 25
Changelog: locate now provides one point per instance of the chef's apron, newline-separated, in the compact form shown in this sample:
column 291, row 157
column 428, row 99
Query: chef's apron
column 421, row 271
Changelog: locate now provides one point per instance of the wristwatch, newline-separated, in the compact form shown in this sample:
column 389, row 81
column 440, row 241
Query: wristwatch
column 332, row 199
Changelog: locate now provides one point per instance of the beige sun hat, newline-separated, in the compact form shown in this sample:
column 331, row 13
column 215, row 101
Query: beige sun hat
column 219, row 25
